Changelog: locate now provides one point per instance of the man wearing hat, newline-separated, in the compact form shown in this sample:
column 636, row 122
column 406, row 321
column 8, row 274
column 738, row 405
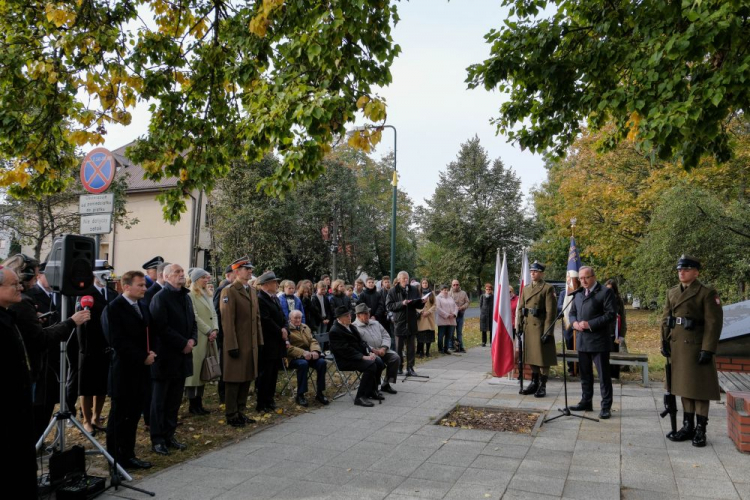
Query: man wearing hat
column 593, row 314
column 150, row 268
column 379, row 341
column 352, row 353
column 157, row 285
column 228, row 279
column 275, row 340
column 240, row 321
column 691, row 329
column 536, row 311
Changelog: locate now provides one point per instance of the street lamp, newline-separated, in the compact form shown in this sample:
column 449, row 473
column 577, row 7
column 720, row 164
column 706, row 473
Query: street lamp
column 394, row 183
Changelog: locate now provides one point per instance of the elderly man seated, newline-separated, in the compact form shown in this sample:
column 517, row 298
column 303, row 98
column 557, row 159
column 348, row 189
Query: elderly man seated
column 304, row 352
column 379, row 341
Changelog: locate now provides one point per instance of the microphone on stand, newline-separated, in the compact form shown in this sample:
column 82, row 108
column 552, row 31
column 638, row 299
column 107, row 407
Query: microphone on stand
column 577, row 290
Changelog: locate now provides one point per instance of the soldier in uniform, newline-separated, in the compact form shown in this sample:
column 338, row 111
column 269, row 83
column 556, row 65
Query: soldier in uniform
column 691, row 328
column 536, row 311
column 150, row 268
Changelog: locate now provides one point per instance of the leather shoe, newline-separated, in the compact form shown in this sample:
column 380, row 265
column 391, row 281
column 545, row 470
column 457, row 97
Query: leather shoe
column 363, row 402
column 173, row 443
column 134, row 463
column 271, row 406
column 160, row 449
column 581, row 407
column 400, row 371
column 605, row 414
column 236, row 421
column 411, row 373
column 301, row 400
column 378, row 396
column 390, row 390
column 322, row 399
column 247, row 419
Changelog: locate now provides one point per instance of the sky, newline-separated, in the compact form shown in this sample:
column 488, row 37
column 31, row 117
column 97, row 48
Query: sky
column 428, row 102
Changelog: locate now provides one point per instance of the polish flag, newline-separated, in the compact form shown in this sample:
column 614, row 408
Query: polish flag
column 502, row 329
column 525, row 273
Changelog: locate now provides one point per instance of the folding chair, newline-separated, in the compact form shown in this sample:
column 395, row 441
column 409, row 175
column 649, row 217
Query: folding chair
column 323, row 339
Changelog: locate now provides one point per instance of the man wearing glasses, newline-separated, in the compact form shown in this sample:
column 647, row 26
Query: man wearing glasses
column 691, row 329
column 592, row 315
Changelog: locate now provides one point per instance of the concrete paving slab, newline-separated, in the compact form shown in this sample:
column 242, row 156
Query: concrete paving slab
column 584, row 489
column 534, row 483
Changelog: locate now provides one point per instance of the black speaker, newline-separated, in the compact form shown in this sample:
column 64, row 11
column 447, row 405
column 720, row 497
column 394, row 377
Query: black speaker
column 70, row 264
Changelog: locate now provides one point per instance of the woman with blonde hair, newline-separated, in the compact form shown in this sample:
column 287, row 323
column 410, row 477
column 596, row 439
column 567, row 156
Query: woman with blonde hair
column 208, row 328
column 426, row 321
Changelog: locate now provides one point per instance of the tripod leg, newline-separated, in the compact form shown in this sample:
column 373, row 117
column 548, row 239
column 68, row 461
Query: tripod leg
column 101, row 448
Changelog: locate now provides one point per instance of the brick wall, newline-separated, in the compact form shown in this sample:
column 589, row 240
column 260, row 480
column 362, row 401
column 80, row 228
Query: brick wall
column 733, row 364
column 738, row 419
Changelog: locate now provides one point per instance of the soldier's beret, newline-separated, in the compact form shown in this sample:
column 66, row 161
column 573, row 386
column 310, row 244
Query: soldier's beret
column 688, row 262
column 536, row 266
column 153, row 263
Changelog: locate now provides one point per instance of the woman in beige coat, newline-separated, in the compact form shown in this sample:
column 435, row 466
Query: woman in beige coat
column 208, row 328
column 426, row 321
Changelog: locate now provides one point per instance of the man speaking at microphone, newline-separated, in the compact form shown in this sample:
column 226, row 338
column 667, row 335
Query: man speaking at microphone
column 592, row 315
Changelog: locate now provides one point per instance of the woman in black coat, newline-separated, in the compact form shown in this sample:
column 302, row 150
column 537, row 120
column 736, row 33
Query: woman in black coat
column 618, row 341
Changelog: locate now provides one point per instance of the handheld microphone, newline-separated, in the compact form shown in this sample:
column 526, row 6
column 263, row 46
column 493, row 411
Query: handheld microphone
column 87, row 301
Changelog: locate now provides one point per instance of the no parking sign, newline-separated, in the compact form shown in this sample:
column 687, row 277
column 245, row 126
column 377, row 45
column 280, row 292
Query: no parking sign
column 97, row 170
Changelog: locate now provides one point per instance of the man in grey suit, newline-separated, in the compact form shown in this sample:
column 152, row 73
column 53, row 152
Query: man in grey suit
column 592, row 315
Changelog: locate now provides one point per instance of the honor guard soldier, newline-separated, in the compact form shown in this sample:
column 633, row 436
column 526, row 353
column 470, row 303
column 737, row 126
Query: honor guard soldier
column 691, row 328
column 150, row 268
column 537, row 309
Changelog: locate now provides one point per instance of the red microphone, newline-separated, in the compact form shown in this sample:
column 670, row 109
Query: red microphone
column 87, row 301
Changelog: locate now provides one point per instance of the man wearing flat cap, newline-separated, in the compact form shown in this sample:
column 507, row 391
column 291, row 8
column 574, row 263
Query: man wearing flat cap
column 240, row 319
column 379, row 341
column 536, row 311
column 275, row 340
column 150, row 268
column 353, row 353
column 691, row 328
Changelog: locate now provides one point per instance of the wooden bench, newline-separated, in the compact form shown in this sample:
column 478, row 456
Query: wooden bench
column 617, row 358
column 734, row 381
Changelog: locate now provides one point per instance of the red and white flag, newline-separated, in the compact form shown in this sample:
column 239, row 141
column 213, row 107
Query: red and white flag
column 525, row 272
column 502, row 326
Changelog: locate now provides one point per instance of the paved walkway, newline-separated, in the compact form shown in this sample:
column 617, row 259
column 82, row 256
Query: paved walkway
column 393, row 451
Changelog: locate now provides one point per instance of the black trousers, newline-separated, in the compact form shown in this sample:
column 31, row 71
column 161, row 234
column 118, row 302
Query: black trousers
column 124, row 415
column 392, row 362
column 266, row 381
column 370, row 370
column 165, row 404
column 411, row 349
column 601, row 359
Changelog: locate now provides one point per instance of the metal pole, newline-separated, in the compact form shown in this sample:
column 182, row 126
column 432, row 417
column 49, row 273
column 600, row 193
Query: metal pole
column 97, row 244
column 394, row 182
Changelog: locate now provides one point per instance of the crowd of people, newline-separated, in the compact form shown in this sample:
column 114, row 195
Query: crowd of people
column 148, row 347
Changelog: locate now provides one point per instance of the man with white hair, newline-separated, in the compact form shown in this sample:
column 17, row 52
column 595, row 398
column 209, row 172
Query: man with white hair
column 403, row 301
column 379, row 341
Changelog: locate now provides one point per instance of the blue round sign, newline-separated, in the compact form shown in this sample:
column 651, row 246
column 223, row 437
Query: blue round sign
column 98, row 170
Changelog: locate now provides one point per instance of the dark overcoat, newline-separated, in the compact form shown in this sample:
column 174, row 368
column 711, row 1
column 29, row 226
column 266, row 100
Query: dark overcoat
column 347, row 346
column 600, row 310
column 404, row 316
column 129, row 337
column 542, row 298
column 172, row 325
column 701, row 304
column 94, row 345
column 240, row 321
column 486, row 304
column 272, row 320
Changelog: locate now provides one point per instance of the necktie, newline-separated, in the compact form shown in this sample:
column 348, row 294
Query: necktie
column 138, row 310
column 587, row 292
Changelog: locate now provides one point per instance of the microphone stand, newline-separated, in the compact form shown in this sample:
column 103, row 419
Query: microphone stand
column 564, row 411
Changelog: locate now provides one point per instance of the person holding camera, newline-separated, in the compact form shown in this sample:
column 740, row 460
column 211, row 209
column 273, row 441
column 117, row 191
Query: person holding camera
column 691, row 328
column 537, row 310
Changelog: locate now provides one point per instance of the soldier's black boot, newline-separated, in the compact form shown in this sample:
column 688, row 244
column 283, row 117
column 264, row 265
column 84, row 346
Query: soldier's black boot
column 688, row 428
column 699, row 439
column 542, row 391
column 533, row 386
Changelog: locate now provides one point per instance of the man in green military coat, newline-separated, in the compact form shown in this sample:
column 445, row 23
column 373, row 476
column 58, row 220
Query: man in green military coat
column 536, row 311
column 691, row 328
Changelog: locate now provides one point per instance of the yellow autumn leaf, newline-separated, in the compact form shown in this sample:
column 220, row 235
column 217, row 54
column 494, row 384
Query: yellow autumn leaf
column 183, row 174
column 362, row 101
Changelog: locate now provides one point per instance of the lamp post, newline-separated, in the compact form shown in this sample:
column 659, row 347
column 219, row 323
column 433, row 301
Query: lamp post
column 394, row 183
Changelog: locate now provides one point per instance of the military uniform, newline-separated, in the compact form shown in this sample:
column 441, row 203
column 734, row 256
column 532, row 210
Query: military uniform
column 536, row 311
column 691, row 328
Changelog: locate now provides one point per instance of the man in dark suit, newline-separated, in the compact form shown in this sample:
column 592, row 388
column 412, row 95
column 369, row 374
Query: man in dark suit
column 146, row 303
column 592, row 315
column 321, row 312
column 174, row 333
column 353, row 353
column 275, row 340
column 132, row 357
